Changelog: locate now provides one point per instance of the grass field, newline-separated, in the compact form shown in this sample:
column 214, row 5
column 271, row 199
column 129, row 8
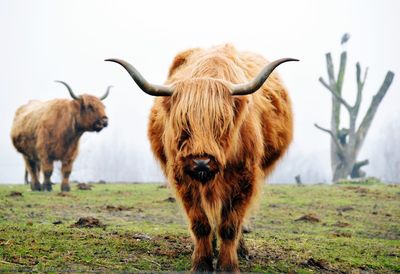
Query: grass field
column 347, row 228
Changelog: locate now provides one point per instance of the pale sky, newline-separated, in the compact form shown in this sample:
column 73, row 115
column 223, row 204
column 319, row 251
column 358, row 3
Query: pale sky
column 42, row 41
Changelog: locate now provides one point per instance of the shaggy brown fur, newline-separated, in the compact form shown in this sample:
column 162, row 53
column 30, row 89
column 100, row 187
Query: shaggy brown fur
column 244, row 136
column 48, row 131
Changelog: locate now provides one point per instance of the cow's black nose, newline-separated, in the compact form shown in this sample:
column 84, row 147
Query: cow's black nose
column 201, row 170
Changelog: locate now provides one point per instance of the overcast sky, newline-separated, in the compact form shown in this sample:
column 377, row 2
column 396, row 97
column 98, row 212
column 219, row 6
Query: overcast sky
column 42, row 41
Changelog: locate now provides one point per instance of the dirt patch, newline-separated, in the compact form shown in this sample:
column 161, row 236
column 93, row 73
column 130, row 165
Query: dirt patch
column 345, row 208
column 15, row 194
column 170, row 200
column 341, row 234
column 341, row 224
column 173, row 246
column 311, row 218
column 118, row 208
column 84, row 186
column 317, row 263
column 88, row 222
column 139, row 236
column 358, row 189
column 64, row 194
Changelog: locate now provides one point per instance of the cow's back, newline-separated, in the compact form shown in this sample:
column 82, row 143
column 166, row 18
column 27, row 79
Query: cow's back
column 26, row 122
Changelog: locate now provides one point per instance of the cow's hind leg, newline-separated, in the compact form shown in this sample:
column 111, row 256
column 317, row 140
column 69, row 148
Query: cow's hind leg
column 26, row 178
column 242, row 250
column 66, row 171
column 32, row 167
column 47, row 169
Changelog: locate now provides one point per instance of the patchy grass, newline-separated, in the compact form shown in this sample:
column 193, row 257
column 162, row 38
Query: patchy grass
column 354, row 228
column 360, row 181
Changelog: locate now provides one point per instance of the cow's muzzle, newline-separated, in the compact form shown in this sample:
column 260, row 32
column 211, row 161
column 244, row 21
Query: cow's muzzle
column 100, row 124
column 201, row 168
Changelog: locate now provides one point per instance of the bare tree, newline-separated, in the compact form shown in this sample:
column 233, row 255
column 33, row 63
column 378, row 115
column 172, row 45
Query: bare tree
column 346, row 143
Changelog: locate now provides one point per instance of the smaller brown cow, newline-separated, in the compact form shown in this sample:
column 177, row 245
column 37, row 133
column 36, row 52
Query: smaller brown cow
column 44, row 132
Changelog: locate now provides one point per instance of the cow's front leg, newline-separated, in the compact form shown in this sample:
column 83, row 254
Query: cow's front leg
column 229, row 233
column 66, row 172
column 233, row 213
column 47, row 169
column 202, row 258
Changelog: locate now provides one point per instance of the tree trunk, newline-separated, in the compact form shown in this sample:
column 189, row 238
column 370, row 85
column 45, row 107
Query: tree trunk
column 344, row 167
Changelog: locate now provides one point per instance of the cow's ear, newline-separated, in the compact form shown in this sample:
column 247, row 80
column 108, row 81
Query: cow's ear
column 83, row 102
column 181, row 59
column 240, row 102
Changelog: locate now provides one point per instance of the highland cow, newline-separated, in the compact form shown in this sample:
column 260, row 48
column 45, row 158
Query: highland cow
column 218, row 128
column 44, row 132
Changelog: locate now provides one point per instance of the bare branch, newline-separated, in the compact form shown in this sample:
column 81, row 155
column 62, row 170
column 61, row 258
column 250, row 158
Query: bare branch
column 334, row 138
column 360, row 87
column 361, row 163
column 342, row 67
column 322, row 81
column 331, row 70
column 334, row 93
column 325, row 130
column 356, row 171
column 369, row 116
column 365, row 75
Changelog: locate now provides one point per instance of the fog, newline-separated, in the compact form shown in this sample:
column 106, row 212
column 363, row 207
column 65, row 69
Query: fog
column 43, row 41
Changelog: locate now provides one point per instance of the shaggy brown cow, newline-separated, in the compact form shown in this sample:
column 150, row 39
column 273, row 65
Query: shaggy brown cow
column 48, row 131
column 217, row 139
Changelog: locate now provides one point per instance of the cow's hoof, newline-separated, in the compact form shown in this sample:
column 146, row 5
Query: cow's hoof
column 242, row 250
column 243, row 253
column 36, row 187
column 230, row 268
column 47, row 187
column 65, row 188
column 203, row 266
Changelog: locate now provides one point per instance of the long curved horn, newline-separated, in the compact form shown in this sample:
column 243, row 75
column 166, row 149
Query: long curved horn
column 259, row 80
column 105, row 94
column 69, row 89
column 154, row 90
